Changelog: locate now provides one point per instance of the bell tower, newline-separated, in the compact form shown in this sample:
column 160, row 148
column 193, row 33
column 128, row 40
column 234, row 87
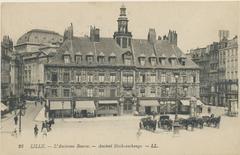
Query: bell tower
column 122, row 36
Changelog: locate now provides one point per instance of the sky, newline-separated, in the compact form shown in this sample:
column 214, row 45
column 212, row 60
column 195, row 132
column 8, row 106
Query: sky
column 197, row 23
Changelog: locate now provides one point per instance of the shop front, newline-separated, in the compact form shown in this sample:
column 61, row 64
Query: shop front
column 60, row 109
column 84, row 109
column 148, row 106
column 191, row 106
column 108, row 107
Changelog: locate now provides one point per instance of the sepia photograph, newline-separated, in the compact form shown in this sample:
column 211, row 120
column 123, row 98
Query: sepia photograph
column 120, row 77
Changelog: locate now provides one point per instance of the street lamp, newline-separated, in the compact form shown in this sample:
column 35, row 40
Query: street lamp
column 21, row 113
column 176, row 97
column 167, row 91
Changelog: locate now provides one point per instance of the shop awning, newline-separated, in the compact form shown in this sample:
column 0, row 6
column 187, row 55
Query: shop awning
column 187, row 102
column 85, row 105
column 3, row 107
column 60, row 105
column 108, row 102
column 146, row 103
column 199, row 102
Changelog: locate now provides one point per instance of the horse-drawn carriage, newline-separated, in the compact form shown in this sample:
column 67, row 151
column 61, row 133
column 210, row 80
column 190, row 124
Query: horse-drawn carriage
column 165, row 122
column 148, row 123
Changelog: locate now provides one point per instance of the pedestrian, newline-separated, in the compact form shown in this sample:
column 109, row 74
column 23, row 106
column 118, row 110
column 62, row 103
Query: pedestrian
column 16, row 120
column 44, row 132
column 41, row 101
column 139, row 133
column 43, row 125
column 36, row 130
column 14, row 133
column 35, row 103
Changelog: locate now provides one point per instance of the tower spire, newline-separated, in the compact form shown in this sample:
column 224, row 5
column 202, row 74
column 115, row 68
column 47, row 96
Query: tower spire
column 122, row 36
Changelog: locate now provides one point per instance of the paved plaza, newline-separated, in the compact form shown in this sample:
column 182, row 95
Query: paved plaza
column 115, row 135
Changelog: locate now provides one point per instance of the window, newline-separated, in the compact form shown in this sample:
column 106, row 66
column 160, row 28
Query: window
column 153, row 61
column 163, row 77
column 54, row 92
column 124, row 43
column 66, row 92
column 118, row 41
column 101, row 77
column 142, row 61
column 66, row 59
column 90, row 59
column 90, row 78
column 66, row 77
column 173, row 62
column 112, row 92
column 153, row 92
column 112, row 77
column 54, row 77
column 101, row 60
column 127, row 61
column 101, row 92
column 90, row 92
column 78, row 59
column 162, row 61
column 153, row 78
column 142, row 92
column 128, row 79
column 78, row 77
column 194, row 79
column 184, row 78
column 173, row 80
column 112, row 60
column 142, row 78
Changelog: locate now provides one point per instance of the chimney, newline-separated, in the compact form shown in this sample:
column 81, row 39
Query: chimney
column 172, row 37
column 223, row 34
column 68, row 33
column 94, row 34
column 151, row 35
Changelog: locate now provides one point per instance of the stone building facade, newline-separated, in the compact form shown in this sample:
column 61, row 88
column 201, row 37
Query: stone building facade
column 35, row 48
column 120, row 74
column 6, row 54
column 219, row 76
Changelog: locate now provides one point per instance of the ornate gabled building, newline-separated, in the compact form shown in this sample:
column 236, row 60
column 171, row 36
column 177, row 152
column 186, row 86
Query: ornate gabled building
column 119, row 75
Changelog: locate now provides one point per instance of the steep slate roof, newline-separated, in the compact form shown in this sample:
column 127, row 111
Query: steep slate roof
column 109, row 47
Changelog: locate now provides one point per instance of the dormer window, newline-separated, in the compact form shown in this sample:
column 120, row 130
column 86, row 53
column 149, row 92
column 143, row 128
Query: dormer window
column 127, row 58
column 127, row 61
column 90, row 59
column 66, row 59
column 101, row 59
column 173, row 60
column 162, row 59
column 112, row 60
column 78, row 59
column 142, row 61
column 182, row 60
column 153, row 61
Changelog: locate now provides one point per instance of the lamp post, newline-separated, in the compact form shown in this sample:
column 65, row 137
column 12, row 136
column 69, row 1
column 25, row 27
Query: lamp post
column 176, row 97
column 166, row 103
column 20, row 106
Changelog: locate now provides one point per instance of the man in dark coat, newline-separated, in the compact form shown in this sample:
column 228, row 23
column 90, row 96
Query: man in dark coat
column 16, row 120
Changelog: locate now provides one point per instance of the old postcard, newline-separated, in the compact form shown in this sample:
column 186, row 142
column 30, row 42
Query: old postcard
column 137, row 78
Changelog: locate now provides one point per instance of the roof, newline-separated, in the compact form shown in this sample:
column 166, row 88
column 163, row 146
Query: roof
column 40, row 36
column 108, row 47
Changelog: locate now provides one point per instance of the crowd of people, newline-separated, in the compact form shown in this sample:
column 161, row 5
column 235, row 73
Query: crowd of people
column 46, row 127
